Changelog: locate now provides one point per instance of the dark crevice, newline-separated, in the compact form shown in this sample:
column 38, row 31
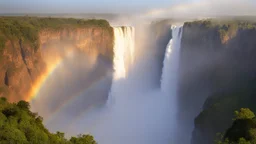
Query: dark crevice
column 23, row 55
column 6, row 82
column 22, row 52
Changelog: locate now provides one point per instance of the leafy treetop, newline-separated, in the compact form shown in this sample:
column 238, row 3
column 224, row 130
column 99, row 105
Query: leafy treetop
column 18, row 125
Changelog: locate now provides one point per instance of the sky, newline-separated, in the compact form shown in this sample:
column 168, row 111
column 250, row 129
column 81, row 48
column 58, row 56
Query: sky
column 207, row 8
column 178, row 8
column 82, row 6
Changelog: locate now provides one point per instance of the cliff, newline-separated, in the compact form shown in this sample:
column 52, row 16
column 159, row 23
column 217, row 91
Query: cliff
column 216, row 57
column 161, row 30
column 28, row 46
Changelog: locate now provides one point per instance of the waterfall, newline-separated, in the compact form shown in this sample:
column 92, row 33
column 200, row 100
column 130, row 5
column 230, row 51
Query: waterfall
column 135, row 113
column 123, row 57
column 171, row 61
column 169, row 80
column 123, row 50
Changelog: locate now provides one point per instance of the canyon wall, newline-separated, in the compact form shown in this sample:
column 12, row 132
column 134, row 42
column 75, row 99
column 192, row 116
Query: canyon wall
column 217, row 58
column 162, row 33
column 23, row 62
column 216, row 73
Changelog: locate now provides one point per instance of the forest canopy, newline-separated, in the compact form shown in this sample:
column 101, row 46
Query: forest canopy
column 18, row 125
column 27, row 28
column 243, row 129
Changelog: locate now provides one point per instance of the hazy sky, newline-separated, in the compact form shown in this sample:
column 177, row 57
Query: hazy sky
column 83, row 6
column 148, row 7
column 206, row 8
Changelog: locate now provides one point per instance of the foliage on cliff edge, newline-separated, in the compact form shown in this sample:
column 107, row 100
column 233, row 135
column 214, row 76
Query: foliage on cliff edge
column 227, row 29
column 243, row 129
column 27, row 28
column 19, row 125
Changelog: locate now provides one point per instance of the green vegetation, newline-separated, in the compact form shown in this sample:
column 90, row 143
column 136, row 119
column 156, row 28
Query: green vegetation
column 2, row 42
column 244, row 113
column 243, row 129
column 225, row 28
column 18, row 125
column 26, row 28
column 219, row 110
column 213, row 23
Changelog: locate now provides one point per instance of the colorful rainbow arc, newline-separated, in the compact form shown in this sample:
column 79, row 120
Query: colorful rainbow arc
column 42, row 79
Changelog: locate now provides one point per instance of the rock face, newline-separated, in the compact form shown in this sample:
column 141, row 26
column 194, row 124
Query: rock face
column 19, row 68
column 214, row 59
column 162, row 34
column 21, row 65
column 97, row 41
column 85, row 77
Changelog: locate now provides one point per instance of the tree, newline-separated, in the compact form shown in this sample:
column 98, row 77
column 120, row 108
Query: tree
column 243, row 141
column 11, row 134
column 243, row 129
column 18, row 125
column 3, row 99
column 61, row 135
column 10, row 111
column 83, row 139
column 244, row 113
column 23, row 105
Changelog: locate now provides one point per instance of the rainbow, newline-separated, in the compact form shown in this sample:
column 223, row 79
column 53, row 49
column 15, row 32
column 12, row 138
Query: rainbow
column 71, row 99
column 52, row 66
column 40, row 81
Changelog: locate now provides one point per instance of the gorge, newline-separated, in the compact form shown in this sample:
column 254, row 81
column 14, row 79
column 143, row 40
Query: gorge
column 141, row 84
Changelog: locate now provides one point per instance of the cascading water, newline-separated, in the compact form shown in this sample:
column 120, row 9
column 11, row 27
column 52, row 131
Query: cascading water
column 171, row 61
column 123, row 57
column 123, row 49
column 169, row 80
column 138, row 116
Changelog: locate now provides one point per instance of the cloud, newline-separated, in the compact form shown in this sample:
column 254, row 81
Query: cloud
column 207, row 8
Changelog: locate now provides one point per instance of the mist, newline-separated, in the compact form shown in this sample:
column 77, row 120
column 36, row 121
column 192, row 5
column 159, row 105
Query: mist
column 139, row 109
column 70, row 87
column 131, row 108
column 205, row 9
column 133, row 99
